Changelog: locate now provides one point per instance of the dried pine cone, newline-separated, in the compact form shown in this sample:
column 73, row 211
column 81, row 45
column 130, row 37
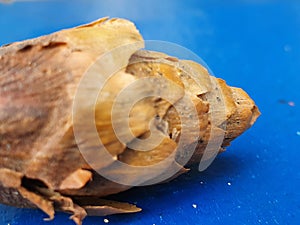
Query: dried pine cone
column 42, row 164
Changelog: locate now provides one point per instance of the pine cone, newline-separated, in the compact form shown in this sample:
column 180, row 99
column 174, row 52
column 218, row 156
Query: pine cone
column 48, row 156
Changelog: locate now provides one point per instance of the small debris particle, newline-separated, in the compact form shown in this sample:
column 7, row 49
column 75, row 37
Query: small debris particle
column 201, row 182
column 290, row 103
column 106, row 221
column 238, row 206
column 229, row 184
column 194, row 206
column 298, row 133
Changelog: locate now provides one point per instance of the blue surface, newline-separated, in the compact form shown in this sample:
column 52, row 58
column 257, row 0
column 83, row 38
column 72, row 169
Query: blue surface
column 252, row 45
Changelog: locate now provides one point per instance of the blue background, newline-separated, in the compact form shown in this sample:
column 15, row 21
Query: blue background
column 251, row 44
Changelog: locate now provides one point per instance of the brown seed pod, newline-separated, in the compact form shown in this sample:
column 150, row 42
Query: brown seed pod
column 41, row 160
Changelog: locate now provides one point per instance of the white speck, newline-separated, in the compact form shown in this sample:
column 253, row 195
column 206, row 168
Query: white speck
column 194, row 206
column 229, row 184
column 298, row 133
column 291, row 103
column 201, row 182
column 238, row 206
column 106, row 221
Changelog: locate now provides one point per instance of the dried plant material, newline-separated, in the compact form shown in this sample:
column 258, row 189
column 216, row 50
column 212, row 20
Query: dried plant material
column 41, row 164
column 76, row 180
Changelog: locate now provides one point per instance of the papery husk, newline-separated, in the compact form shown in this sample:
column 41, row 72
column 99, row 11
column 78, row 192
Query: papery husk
column 40, row 164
